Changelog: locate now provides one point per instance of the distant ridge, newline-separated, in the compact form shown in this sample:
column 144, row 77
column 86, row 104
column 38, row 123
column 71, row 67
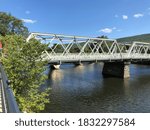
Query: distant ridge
column 141, row 38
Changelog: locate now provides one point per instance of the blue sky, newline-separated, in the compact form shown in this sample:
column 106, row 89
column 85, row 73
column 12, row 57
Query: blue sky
column 114, row 18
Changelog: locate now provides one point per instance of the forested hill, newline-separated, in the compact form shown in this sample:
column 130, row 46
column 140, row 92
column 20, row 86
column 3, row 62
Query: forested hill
column 142, row 38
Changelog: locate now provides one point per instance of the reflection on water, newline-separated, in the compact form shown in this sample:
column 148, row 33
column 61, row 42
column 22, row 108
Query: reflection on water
column 83, row 89
column 56, row 75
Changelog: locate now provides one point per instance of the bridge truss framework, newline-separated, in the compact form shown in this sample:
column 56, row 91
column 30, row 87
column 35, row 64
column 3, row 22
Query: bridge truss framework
column 66, row 48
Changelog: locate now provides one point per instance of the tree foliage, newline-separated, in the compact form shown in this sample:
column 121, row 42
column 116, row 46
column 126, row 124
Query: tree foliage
column 11, row 25
column 24, row 67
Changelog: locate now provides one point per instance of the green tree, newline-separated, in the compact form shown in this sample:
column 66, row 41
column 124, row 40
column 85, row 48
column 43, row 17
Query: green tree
column 24, row 67
column 103, row 36
column 11, row 25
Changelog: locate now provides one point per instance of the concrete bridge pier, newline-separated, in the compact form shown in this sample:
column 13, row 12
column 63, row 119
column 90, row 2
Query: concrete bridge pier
column 78, row 63
column 116, row 69
column 55, row 67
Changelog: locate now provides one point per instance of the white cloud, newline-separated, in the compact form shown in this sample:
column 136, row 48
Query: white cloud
column 125, row 17
column 110, row 30
column 138, row 15
column 106, row 30
column 27, row 12
column 29, row 21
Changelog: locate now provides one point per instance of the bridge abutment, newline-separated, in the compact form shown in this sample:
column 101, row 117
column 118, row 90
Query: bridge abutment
column 116, row 69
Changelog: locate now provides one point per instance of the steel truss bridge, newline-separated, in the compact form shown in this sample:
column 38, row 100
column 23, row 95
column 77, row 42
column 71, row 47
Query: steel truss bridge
column 72, row 49
column 65, row 48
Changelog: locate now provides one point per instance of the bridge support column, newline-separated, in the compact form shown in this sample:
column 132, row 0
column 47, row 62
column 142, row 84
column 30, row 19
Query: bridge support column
column 116, row 69
column 78, row 63
column 55, row 67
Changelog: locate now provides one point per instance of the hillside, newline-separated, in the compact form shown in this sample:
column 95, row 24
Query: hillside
column 142, row 38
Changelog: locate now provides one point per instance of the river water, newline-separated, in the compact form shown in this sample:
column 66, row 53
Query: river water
column 80, row 89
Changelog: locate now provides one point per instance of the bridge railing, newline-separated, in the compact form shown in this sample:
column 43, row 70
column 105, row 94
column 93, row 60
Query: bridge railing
column 9, row 104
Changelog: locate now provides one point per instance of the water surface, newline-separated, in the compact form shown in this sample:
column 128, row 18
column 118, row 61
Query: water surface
column 83, row 89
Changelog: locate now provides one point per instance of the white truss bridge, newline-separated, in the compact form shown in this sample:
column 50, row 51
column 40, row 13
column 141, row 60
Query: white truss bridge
column 69, row 49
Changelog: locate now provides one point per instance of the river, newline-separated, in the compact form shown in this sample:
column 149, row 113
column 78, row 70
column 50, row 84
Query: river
column 78, row 89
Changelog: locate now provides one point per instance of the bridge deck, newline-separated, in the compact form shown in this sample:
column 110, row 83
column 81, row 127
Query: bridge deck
column 71, row 58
